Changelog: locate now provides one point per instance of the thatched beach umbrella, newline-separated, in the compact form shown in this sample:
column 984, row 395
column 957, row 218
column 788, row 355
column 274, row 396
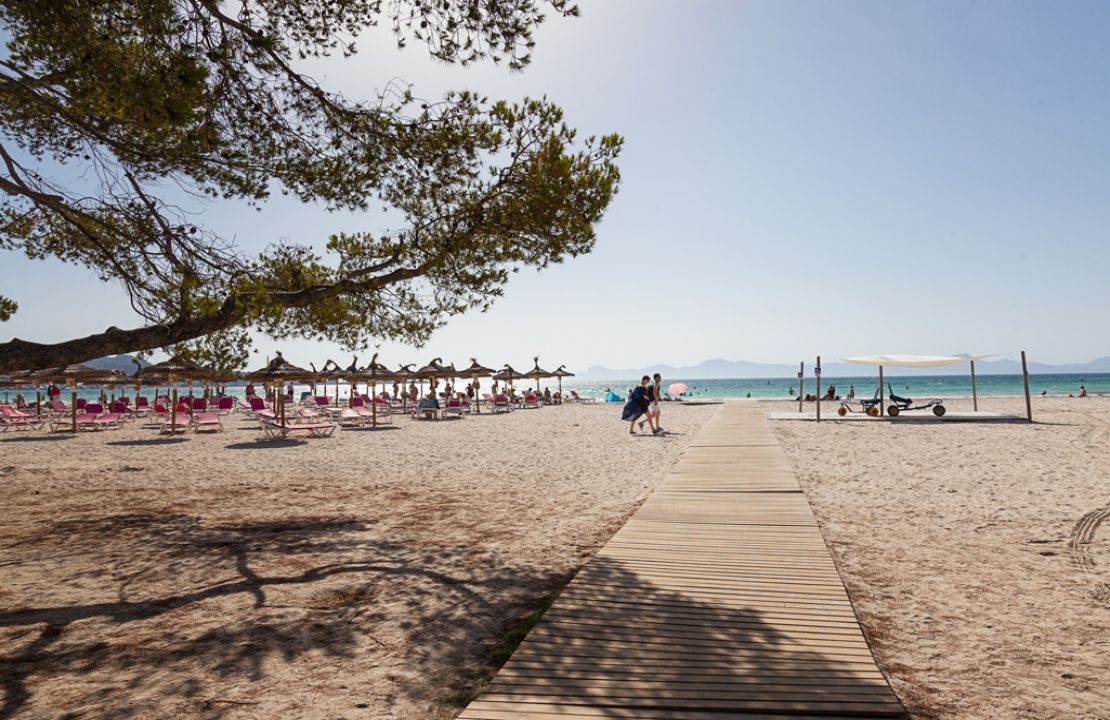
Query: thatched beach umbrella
column 403, row 373
column 71, row 375
column 169, row 372
column 332, row 371
column 537, row 373
column 508, row 375
column 561, row 372
column 280, row 370
column 433, row 370
column 375, row 373
column 476, row 371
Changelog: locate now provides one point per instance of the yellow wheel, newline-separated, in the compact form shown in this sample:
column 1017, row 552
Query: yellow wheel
column 842, row 411
column 892, row 411
column 873, row 411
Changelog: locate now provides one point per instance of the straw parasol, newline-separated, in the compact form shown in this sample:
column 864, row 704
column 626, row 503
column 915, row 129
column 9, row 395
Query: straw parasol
column 537, row 373
column 475, row 371
column 403, row 373
column 508, row 375
column 332, row 371
column 170, row 372
column 376, row 372
column 73, row 374
column 280, row 370
column 433, row 370
column 561, row 372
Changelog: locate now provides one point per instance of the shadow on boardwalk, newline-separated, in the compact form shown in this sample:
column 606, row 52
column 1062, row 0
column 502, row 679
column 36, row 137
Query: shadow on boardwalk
column 624, row 646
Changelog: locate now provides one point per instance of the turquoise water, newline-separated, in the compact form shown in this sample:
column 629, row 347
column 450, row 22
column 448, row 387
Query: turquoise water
column 939, row 386
column 921, row 386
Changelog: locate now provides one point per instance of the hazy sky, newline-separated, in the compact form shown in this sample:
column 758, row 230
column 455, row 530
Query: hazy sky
column 839, row 178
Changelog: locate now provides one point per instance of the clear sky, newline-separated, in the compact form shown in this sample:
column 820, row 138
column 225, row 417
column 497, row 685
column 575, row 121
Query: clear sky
column 799, row 178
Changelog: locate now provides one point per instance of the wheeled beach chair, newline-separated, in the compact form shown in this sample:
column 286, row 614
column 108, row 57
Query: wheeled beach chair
column 899, row 404
column 868, row 406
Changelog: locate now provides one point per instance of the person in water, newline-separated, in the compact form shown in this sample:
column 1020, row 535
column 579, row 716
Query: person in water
column 637, row 405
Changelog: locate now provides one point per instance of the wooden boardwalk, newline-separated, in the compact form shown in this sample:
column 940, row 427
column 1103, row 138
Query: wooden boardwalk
column 718, row 599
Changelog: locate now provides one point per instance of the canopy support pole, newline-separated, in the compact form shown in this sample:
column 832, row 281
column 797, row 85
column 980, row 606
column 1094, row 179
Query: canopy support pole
column 974, row 394
column 801, row 384
column 817, row 376
column 1025, row 378
column 882, row 397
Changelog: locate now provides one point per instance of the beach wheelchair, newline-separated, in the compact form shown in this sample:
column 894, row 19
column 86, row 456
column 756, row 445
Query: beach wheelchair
column 900, row 404
column 867, row 406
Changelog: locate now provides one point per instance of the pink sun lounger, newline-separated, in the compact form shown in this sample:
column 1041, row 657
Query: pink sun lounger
column 11, row 418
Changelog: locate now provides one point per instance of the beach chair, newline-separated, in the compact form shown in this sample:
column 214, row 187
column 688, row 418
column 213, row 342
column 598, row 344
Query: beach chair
column 352, row 418
column 81, row 403
column 184, row 422
column 142, row 406
column 531, row 402
column 454, row 408
column 258, row 406
column 13, row 419
column 501, row 404
column 207, row 422
column 57, row 406
column 426, row 410
column 225, row 405
column 61, row 423
column 199, row 405
column 90, row 408
column 241, row 404
column 274, row 430
column 107, row 421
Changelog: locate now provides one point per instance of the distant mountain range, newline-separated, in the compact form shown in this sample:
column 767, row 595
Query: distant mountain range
column 125, row 363
column 721, row 369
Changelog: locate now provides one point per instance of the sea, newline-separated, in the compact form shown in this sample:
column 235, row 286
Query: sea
column 916, row 386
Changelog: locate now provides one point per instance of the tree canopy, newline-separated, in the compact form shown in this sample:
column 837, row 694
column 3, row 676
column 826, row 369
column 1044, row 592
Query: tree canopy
column 146, row 95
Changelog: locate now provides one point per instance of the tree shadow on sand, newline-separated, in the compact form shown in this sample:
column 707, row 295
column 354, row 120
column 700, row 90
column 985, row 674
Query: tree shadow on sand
column 311, row 586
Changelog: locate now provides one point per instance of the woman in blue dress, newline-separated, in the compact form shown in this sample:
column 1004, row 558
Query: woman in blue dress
column 637, row 404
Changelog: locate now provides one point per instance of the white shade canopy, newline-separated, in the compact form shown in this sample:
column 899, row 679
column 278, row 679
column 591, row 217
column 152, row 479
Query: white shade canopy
column 913, row 361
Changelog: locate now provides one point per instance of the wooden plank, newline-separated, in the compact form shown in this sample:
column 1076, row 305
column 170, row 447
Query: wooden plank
column 717, row 599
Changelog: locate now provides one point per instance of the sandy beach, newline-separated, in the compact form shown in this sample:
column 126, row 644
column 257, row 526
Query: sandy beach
column 375, row 574
column 975, row 554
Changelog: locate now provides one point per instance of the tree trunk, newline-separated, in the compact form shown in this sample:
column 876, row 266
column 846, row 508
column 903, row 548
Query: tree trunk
column 23, row 355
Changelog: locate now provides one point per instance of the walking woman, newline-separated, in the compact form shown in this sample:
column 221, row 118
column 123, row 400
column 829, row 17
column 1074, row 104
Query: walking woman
column 637, row 404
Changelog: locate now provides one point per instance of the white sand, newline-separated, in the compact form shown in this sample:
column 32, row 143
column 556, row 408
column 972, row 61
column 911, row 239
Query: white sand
column 974, row 553
column 369, row 575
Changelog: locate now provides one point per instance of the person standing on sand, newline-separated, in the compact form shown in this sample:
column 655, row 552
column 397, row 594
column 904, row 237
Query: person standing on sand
column 413, row 392
column 655, row 394
column 637, row 404
column 396, row 391
column 851, row 392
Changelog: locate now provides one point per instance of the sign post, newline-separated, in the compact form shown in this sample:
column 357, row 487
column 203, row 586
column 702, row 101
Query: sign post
column 1025, row 378
column 801, row 384
column 817, row 375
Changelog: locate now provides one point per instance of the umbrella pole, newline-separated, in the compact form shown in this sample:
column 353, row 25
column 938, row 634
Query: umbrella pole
column 173, row 412
column 477, row 397
column 373, row 402
column 38, row 400
column 73, row 406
